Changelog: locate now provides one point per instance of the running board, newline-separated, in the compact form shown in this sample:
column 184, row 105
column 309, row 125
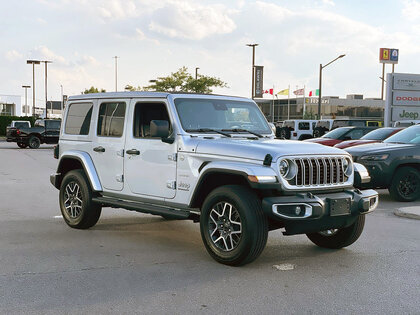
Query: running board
column 143, row 207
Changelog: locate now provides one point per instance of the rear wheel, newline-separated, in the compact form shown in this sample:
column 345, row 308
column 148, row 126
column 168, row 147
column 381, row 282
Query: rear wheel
column 233, row 226
column 405, row 185
column 22, row 145
column 34, row 142
column 76, row 204
column 339, row 238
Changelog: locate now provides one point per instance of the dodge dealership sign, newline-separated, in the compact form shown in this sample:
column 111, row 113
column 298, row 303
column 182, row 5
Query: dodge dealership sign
column 402, row 97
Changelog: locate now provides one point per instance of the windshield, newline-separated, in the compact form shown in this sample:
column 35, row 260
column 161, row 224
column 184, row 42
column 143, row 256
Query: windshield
column 409, row 135
column 336, row 133
column 196, row 114
column 378, row 134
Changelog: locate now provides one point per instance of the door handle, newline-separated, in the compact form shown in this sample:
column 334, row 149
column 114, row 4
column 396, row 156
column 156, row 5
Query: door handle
column 99, row 149
column 133, row 152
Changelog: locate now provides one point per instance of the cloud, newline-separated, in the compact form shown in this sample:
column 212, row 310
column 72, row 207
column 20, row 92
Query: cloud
column 44, row 53
column 411, row 9
column 13, row 55
column 182, row 19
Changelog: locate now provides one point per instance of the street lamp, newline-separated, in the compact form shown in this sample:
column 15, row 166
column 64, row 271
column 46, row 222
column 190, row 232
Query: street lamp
column 253, row 67
column 116, row 57
column 320, row 83
column 196, row 72
column 46, row 88
column 33, row 63
column 26, row 87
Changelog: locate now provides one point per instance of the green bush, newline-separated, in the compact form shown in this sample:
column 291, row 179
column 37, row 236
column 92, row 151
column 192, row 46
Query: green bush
column 6, row 120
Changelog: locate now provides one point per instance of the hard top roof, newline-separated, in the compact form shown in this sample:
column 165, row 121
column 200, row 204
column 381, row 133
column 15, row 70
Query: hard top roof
column 142, row 94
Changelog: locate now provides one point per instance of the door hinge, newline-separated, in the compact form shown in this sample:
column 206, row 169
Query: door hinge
column 120, row 178
column 120, row 153
column 171, row 184
column 173, row 157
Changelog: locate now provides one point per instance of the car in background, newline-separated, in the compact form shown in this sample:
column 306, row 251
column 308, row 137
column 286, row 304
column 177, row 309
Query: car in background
column 393, row 164
column 44, row 131
column 325, row 125
column 300, row 129
column 342, row 134
column 377, row 135
column 11, row 130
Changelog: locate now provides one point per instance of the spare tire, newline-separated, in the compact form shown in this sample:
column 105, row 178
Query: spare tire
column 319, row 132
column 285, row 133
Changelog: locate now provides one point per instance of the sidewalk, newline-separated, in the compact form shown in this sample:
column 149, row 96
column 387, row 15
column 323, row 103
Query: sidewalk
column 408, row 212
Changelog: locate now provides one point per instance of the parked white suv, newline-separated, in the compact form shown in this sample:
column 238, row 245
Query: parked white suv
column 296, row 129
column 212, row 159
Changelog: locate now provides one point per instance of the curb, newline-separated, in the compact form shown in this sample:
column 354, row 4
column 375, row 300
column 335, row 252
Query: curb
column 408, row 212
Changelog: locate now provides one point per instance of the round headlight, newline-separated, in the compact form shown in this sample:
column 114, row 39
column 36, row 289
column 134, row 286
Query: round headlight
column 347, row 167
column 284, row 168
column 287, row 169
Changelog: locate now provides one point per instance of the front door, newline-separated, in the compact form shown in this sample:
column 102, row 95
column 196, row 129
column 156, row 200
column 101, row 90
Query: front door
column 149, row 163
column 108, row 144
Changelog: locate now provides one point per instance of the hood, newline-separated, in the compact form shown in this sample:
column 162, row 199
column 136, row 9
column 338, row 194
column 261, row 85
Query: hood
column 379, row 148
column 258, row 149
column 324, row 141
column 350, row 143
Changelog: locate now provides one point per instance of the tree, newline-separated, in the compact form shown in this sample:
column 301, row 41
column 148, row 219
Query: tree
column 93, row 90
column 182, row 81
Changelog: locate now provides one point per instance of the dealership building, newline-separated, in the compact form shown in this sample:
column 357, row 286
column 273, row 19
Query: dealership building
column 354, row 106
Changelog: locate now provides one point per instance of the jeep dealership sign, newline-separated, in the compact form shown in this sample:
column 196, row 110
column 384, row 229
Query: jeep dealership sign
column 402, row 97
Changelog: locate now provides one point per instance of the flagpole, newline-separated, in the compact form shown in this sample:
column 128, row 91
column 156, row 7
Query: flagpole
column 272, row 114
column 288, row 103
column 304, row 104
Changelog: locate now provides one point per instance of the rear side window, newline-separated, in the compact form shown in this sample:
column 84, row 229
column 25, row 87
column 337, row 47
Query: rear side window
column 111, row 119
column 304, row 126
column 78, row 119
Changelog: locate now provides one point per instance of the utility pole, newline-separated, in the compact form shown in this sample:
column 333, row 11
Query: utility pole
column 116, row 71
column 33, row 63
column 196, row 72
column 26, row 87
column 253, row 67
column 46, row 87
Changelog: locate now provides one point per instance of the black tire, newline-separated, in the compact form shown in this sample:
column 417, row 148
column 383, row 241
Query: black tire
column 339, row 238
column 79, row 212
column 319, row 132
column 285, row 133
column 245, row 216
column 405, row 185
column 22, row 145
column 305, row 136
column 34, row 142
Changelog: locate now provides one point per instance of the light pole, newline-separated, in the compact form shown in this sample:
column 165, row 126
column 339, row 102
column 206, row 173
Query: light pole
column 116, row 69
column 46, row 87
column 33, row 63
column 26, row 87
column 196, row 72
column 253, row 67
column 320, row 83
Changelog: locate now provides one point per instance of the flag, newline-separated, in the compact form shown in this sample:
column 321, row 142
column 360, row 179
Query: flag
column 314, row 92
column 270, row 91
column 299, row 92
column 283, row 92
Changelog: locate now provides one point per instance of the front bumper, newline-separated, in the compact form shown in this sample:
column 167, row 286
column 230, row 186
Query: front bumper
column 307, row 213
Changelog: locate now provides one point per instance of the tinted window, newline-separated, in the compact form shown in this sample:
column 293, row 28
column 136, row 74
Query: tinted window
column 55, row 124
column 144, row 113
column 337, row 133
column 355, row 134
column 303, row 126
column 111, row 119
column 22, row 124
column 78, row 119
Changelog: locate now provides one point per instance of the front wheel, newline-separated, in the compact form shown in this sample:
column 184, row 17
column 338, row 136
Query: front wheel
column 76, row 204
column 233, row 226
column 22, row 145
column 339, row 238
column 405, row 184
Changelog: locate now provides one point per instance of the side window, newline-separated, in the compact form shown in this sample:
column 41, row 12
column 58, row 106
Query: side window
column 355, row 134
column 78, row 119
column 303, row 126
column 144, row 113
column 111, row 119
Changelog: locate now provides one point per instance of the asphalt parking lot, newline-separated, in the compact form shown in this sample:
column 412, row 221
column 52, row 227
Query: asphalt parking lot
column 136, row 263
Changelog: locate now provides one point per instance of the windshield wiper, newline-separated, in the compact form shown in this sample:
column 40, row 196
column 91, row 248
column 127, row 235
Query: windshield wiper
column 243, row 130
column 209, row 130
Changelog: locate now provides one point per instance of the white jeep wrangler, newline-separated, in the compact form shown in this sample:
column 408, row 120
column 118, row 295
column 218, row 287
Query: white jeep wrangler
column 212, row 159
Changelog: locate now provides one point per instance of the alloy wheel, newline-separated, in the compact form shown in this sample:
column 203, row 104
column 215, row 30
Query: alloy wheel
column 73, row 200
column 408, row 185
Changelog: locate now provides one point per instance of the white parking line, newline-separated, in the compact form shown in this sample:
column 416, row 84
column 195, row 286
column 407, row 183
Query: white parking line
column 58, row 217
column 284, row 267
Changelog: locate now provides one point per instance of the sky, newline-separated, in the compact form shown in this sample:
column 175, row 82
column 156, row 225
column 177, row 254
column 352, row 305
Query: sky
column 154, row 38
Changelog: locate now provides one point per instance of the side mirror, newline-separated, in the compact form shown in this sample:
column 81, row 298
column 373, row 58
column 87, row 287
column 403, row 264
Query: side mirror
column 159, row 129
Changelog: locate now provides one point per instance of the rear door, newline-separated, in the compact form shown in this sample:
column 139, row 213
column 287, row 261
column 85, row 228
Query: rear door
column 108, row 143
column 150, row 163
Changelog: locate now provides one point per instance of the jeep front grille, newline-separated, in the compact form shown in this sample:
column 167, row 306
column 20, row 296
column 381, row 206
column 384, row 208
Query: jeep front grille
column 319, row 171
